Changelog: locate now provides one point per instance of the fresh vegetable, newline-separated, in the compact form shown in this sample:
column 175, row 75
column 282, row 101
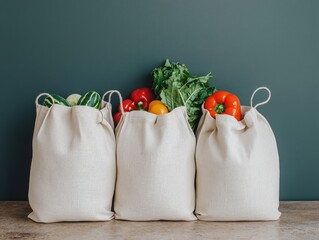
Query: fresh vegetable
column 140, row 100
column 57, row 100
column 142, row 97
column 175, row 86
column 128, row 105
column 73, row 99
column 153, row 103
column 117, row 117
column 222, row 102
column 91, row 99
column 157, row 107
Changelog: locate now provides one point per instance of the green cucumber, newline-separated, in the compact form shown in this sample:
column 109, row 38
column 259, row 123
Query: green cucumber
column 91, row 99
column 57, row 100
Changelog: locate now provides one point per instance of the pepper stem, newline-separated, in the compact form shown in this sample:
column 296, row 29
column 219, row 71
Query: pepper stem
column 140, row 105
column 220, row 108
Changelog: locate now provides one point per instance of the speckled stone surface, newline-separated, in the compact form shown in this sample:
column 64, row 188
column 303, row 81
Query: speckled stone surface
column 299, row 220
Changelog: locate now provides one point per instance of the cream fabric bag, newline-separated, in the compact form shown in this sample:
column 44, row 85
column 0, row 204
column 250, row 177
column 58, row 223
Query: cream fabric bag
column 73, row 168
column 155, row 167
column 237, row 167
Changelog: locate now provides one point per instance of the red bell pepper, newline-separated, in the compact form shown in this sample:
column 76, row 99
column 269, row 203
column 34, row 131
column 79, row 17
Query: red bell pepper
column 222, row 102
column 140, row 99
column 128, row 105
column 117, row 117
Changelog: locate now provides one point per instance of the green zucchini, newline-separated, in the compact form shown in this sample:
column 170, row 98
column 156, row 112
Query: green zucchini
column 57, row 100
column 91, row 99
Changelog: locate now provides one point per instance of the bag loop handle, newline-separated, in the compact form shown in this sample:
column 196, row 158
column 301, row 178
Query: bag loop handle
column 261, row 103
column 43, row 94
column 110, row 93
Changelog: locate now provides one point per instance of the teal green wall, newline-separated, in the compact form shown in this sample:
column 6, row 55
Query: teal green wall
column 67, row 46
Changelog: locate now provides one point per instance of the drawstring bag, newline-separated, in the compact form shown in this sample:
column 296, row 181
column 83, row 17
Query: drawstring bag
column 155, row 167
column 73, row 168
column 237, row 167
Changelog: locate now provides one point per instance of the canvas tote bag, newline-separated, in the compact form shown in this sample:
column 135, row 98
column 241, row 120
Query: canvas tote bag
column 237, row 167
column 73, row 170
column 155, row 167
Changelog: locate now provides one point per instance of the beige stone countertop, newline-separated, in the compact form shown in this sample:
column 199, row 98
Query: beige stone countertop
column 299, row 220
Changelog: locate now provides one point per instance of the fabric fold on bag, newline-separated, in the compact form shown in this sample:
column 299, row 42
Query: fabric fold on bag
column 155, row 167
column 237, row 167
column 73, row 170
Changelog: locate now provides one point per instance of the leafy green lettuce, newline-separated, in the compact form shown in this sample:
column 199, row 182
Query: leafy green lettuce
column 175, row 86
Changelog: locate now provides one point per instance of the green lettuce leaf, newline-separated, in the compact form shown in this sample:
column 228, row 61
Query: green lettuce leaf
column 175, row 86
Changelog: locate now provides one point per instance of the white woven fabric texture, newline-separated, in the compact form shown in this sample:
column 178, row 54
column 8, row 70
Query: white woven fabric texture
column 237, row 168
column 155, row 167
column 73, row 168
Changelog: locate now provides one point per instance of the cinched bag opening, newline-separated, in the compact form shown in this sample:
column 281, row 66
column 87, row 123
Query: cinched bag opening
column 73, row 167
column 237, row 167
column 155, row 167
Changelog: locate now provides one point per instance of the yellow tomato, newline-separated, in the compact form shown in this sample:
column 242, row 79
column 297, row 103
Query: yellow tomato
column 157, row 107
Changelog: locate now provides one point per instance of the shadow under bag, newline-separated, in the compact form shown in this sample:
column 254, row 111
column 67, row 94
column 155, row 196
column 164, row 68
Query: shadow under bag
column 237, row 167
column 73, row 168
